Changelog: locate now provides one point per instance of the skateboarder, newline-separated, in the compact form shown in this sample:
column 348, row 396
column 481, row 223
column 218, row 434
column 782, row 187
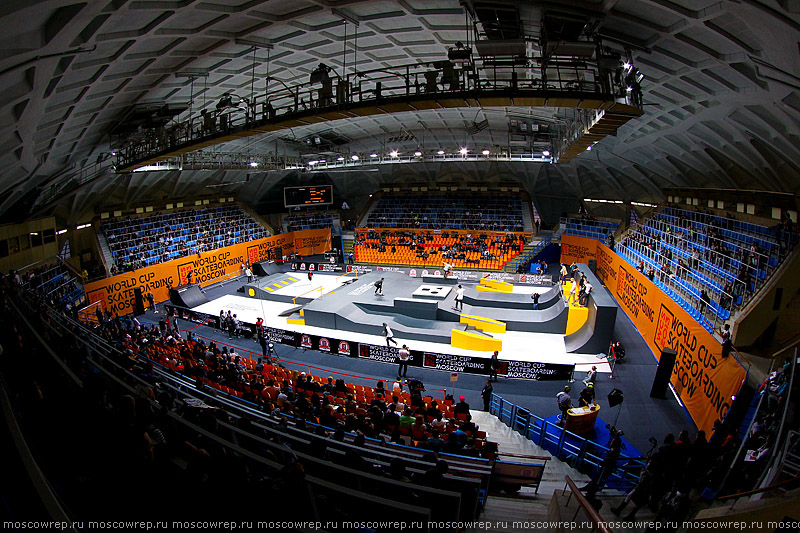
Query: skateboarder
column 379, row 288
column 389, row 334
column 460, row 298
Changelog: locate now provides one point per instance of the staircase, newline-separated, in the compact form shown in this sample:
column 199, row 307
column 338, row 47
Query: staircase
column 348, row 240
column 525, row 505
column 527, row 218
column 105, row 250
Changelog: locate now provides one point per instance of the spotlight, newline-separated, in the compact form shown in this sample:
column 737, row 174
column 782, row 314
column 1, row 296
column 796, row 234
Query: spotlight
column 340, row 158
column 253, row 164
column 626, row 65
column 463, row 151
column 546, row 152
column 588, row 148
column 486, row 152
column 440, row 152
column 354, row 157
column 630, row 88
column 373, row 155
column 417, row 154
column 312, row 162
column 393, row 153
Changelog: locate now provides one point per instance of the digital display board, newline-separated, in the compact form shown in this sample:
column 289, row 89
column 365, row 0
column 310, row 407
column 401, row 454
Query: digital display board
column 310, row 195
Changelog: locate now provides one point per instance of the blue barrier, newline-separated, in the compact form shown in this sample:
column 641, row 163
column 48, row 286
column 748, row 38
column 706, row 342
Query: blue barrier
column 581, row 453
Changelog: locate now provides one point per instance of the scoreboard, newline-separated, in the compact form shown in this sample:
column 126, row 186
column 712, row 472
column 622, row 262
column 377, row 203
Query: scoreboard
column 309, row 195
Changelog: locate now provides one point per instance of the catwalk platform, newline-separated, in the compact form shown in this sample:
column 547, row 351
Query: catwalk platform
column 343, row 315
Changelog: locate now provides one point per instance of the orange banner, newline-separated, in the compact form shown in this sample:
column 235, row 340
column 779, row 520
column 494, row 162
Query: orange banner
column 117, row 292
column 704, row 381
column 577, row 249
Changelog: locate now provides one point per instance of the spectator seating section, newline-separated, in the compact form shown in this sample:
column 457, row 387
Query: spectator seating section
column 308, row 221
column 137, row 242
column 727, row 258
column 463, row 211
column 589, row 227
column 468, row 473
column 410, row 247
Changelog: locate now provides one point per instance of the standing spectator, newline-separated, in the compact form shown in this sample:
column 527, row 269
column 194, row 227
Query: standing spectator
column 486, row 394
column 564, row 404
column 403, row 356
column 389, row 334
column 151, row 302
column 587, row 289
column 591, row 376
column 494, row 366
column 310, row 276
column 704, row 301
column 727, row 344
column 535, row 298
column 249, row 274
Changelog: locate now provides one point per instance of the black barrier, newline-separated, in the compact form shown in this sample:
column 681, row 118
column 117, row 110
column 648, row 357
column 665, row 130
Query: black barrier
column 466, row 364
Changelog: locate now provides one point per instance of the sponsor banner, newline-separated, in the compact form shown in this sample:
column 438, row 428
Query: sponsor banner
column 328, row 267
column 383, row 354
column 116, row 293
column 535, row 371
column 390, row 269
column 576, row 249
column 361, row 269
column 474, row 275
column 445, row 362
column 704, row 381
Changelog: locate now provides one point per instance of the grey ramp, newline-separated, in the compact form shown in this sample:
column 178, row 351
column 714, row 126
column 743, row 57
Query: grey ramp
column 187, row 296
column 440, row 280
column 550, row 320
column 358, row 320
column 596, row 334
column 417, row 307
column 266, row 268
column 510, row 300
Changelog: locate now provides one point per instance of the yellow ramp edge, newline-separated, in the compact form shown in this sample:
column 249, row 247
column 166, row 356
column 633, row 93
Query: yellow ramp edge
column 484, row 288
column 301, row 313
column 269, row 288
column 500, row 286
column 472, row 341
column 284, row 282
column 484, row 324
column 576, row 317
column 298, row 321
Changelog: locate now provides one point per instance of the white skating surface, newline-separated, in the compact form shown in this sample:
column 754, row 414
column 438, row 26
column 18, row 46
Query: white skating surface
column 517, row 345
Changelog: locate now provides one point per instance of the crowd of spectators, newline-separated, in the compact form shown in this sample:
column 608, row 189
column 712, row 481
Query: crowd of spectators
column 435, row 248
column 137, row 242
column 396, row 415
column 467, row 211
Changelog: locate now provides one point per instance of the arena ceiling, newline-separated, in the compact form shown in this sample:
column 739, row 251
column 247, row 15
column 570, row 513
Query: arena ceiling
column 720, row 92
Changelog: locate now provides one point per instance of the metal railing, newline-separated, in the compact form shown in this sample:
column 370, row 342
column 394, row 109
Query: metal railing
column 580, row 452
column 327, row 93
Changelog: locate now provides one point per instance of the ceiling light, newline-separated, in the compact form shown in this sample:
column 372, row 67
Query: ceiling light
column 440, row 152
column 626, row 65
column 546, row 152
column 393, row 153
column 340, row 158
column 373, row 155
column 417, row 154
column 61, row 232
column 354, row 157
column 588, row 148
column 253, row 164
column 630, row 88
column 312, row 162
column 486, row 152
column 463, row 151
